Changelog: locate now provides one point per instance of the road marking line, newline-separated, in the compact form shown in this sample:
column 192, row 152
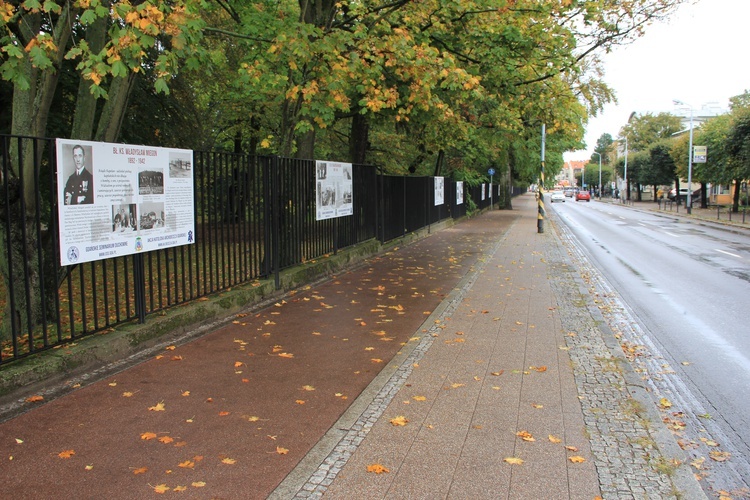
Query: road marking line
column 732, row 254
column 670, row 234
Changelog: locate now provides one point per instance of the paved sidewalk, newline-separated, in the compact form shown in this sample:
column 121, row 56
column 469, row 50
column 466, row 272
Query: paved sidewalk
column 512, row 392
column 467, row 365
column 495, row 386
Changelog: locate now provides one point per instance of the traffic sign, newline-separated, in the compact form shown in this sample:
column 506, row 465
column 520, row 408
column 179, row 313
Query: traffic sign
column 491, row 171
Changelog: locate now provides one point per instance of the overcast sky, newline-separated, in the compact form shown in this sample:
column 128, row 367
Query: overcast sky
column 698, row 56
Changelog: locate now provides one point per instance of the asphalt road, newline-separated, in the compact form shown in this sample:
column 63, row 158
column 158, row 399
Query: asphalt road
column 688, row 287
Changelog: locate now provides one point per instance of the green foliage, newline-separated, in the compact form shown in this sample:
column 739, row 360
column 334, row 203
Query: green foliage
column 642, row 131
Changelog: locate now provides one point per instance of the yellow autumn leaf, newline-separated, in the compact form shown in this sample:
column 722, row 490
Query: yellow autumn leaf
column 34, row 399
column 571, row 448
column 228, row 461
column 127, row 394
column 286, row 355
column 308, row 388
column 665, row 403
column 554, row 439
column 526, row 436
column 719, row 456
column 377, row 469
column 198, row 484
column 180, row 488
column 576, row 459
column 513, row 460
column 281, row 451
column 148, row 435
column 165, row 439
column 66, row 454
column 187, row 464
column 419, row 398
column 399, row 421
column 157, row 407
column 161, row 489
column 140, row 470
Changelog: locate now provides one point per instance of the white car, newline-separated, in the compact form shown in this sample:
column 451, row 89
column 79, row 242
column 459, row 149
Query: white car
column 557, row 196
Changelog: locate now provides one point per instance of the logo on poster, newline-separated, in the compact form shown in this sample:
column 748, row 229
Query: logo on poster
column 138, row 244
column 73, row 254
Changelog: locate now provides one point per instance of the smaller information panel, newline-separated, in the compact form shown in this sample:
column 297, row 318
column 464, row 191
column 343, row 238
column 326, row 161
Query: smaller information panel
column 333, row 190
column 118, row 199
column 459, row 192
column 439, row 191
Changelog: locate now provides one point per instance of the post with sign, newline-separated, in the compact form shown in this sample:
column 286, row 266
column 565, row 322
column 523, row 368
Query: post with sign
column 491, row 172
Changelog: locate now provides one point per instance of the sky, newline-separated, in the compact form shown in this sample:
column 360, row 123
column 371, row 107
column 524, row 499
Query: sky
column 699, row 55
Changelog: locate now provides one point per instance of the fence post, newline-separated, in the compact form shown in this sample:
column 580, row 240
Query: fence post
column 139, row 285
column 275, row 209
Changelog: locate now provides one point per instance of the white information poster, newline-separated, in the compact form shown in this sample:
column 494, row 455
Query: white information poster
column 118, row 199
column 459, row 192
column 439, row 190
column 484, row 187
column 333, row 190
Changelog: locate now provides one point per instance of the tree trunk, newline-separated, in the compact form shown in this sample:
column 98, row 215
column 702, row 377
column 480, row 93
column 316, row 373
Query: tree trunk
column 85, row 113
column 359, row 139
column 704, row 195
column 736, row 196
column 113, row 114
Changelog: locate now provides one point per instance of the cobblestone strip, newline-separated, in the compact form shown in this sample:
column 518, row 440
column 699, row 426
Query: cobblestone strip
column 319, row 482
column 635, row 455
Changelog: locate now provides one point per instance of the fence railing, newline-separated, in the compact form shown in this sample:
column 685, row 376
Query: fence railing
column 254, row 216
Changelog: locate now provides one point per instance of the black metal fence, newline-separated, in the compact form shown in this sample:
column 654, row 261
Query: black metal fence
column 254, row 216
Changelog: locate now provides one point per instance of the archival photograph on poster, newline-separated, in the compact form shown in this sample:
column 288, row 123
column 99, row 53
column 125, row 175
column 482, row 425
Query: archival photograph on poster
column 459, row 192
column 119, row 199
column 439, row 190
column 333, row 190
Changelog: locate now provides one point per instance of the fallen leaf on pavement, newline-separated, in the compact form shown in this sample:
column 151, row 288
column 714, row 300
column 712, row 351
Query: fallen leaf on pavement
column 228, row 461
column 161, row 489
column 157, row 407
column 377, row 469
column 140, row 470
column 148, row 435
column 526, row 436
column 66, row 454
column 576, row 459
column 554, row 439
column 281, row 451
column 513, row 460
column 34, row 399
column 399, row 421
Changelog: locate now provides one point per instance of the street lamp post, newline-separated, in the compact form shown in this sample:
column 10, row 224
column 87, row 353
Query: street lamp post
column 600, row 174
column 690, row 160
column 627, row 185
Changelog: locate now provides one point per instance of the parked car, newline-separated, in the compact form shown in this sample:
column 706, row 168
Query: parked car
column 673, row 193
column 583, row 196
column 683, row 194
column 557, row 196
column 569, row 192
